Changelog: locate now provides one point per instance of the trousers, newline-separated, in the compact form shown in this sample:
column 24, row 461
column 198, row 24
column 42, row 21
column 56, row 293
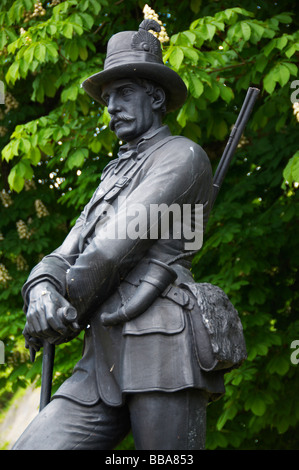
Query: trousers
column 158, row 420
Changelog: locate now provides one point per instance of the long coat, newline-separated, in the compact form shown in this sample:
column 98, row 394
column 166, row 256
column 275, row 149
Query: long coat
column 98, row 273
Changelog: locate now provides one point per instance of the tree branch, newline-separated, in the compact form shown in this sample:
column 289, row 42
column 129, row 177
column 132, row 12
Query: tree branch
column 232, row 66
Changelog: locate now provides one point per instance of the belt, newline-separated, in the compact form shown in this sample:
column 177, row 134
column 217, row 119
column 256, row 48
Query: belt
column 179, row 296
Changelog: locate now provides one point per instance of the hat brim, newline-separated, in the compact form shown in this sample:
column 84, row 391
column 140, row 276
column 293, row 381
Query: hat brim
column 174, row 87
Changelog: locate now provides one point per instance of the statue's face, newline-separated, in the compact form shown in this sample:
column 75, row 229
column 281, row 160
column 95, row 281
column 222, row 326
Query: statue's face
column 130, row 108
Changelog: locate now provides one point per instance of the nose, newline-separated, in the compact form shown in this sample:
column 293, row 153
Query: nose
column 113, row 104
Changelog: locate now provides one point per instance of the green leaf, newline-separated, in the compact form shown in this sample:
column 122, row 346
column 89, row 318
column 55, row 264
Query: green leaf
column 51, row 29
column 257, row 31
column 18, row 174
column 195, row 85
column 29, row 53
column 235, row 32
column 281, row 42
column 49, row 86
column 260, row 63
column 269, row 47
column 78, row 29
column 229, row 413
column 176, row 57
column 256, row 296
column 190, row 36
column 291, row 67
column 174, row 38
column 262, row 349
column 187, row 112
column 40, row 52
column 279, row 365
column 72, row 50
column 212, row 92
column 182, row 116
column 65, row 149
column 283, row 18
column 76, row 159
column 11, row 150
column 195, row 5
column 258, row 406
column 3, row 39
column 226, row 92
column 88, row 20
column 96, row 6
column 283, row 425
column 44, row 135
column 220, row 131
column 15, row 181
column 13, row 73
column 83, row 53
column 211, row 30
column 52, row 50
column 15, row 11
column 25, row 145
column 291, row 51
column 38, row 90
column 70, row 93
column 246, row 31
column 291, row 171
column 282, row 74
column 191, row 54
column 34, row 155
column 242, row 11
column 269, row 82
column 95, row 145
column 67, row 30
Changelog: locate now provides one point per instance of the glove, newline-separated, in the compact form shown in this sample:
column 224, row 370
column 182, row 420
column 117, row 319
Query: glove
column 49, row 317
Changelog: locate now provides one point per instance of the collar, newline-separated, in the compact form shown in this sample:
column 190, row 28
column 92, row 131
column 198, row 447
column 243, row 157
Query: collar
column 125, row 151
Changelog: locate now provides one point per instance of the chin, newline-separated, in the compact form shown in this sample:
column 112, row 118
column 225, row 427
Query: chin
column 126, row 136
column 122, row 133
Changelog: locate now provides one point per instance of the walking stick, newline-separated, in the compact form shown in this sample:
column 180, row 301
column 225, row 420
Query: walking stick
column 47, row 374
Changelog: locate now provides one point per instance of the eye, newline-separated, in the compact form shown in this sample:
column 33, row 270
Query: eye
column 126, row 91
column 105, row 98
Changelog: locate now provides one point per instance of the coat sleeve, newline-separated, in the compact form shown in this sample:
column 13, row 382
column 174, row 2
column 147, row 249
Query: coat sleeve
column 175, row 177
column 54, row 266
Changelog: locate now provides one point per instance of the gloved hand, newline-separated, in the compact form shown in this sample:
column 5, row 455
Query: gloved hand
column 49, row 317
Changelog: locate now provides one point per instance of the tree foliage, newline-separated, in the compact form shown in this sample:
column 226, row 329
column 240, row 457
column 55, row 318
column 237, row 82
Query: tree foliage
column 55, row 142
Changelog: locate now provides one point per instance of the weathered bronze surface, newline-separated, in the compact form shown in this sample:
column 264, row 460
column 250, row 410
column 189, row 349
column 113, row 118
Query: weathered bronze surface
column 157, row 344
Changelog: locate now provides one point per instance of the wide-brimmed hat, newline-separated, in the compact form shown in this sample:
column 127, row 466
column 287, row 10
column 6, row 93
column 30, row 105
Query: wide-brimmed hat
column 137, row 54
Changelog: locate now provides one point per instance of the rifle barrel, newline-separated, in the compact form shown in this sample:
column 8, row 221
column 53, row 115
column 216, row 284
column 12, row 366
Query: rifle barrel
column 233, row 139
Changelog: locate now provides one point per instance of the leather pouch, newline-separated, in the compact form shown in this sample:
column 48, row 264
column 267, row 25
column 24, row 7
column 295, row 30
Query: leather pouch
column 163, row 316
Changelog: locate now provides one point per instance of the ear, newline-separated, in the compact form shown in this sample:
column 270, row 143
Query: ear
column 158, row 99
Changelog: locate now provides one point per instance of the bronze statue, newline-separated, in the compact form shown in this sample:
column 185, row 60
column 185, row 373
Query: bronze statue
column 156, row 343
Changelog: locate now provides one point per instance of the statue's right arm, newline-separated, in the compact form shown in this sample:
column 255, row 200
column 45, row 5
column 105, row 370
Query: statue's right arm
column 44, row 292
column 54, row 266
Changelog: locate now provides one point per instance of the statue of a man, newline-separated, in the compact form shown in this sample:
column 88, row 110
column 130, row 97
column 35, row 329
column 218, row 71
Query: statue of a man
column 149, row 362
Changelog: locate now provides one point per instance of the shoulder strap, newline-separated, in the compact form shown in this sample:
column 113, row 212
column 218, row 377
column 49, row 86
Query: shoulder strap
column 115, row 189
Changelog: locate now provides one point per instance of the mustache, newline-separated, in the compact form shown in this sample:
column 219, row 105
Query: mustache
column 120, row 117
